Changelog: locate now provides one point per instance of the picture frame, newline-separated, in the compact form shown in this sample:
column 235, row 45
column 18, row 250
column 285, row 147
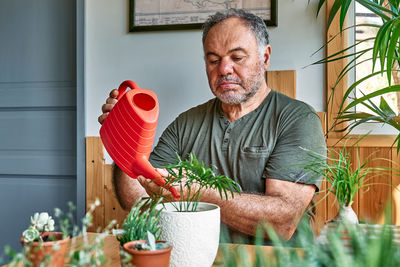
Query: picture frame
column 161, row 15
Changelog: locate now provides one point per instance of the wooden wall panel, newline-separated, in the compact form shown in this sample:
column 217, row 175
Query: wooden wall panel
column 395, row 187
column 112, row 209
column 333, row 69
column 95, row 179
column 374, row 198
column 283, row 81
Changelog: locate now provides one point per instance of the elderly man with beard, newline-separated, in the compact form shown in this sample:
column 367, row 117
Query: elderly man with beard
column 250, row 132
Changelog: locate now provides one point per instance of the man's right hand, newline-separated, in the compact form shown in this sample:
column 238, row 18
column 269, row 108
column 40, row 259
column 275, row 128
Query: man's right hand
column 106, row 108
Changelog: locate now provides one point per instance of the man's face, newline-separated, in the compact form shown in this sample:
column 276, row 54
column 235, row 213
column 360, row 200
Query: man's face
column 234, row 67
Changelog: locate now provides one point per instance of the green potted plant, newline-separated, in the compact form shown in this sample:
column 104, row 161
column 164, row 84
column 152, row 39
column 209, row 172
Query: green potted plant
column 344, row 177
column 188, row 224
column 43, row 245
column 89, row 251
column 385, row 52
column 138, row 237
column 149, row 252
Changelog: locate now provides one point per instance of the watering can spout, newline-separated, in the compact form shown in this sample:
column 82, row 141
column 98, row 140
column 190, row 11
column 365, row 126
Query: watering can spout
column 128, row 133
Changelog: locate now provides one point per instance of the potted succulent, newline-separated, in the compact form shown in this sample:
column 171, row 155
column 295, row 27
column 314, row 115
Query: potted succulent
column 149, row 252
column 43, row 245
column 138, row 237
column 189, row 224
column 344, row 178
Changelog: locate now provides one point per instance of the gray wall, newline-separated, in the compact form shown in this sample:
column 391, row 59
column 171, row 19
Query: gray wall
column 37, row 111
column 171, row 62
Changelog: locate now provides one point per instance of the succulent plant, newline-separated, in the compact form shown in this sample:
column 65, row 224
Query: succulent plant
column 40, row 223
column 151, row 243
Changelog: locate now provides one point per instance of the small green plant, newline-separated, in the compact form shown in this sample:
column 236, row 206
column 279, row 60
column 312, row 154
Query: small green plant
column 140, row 220
column 87, row 253
column 344, row 177
column 151, row 243
column 195, row 177
column 40, row 223
column 348, row 245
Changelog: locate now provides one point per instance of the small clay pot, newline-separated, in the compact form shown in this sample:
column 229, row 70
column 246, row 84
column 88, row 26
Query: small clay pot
column 38, row 251
column 148, row 258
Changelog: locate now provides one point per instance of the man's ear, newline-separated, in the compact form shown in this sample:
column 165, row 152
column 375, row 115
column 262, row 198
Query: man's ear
column 267, row 57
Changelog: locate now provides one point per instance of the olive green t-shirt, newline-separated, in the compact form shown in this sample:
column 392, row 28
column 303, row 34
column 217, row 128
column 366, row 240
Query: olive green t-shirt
column 265, row 143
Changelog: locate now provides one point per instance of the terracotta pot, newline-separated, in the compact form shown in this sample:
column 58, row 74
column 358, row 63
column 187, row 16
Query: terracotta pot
column 38, row 251
column 147, row 258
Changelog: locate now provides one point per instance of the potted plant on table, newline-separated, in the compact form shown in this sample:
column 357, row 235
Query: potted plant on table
column 191, row 226
column 138, row 237
column 344, row 176
column 43, row 245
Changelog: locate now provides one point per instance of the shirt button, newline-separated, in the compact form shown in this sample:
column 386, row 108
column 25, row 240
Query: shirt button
column 228, row 131
column 225, row 140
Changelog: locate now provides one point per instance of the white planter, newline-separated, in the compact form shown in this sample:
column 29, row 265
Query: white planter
column 347, row 214
column 194, row 235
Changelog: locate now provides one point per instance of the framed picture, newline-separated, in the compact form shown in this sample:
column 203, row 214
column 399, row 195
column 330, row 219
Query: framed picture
column 157, row 15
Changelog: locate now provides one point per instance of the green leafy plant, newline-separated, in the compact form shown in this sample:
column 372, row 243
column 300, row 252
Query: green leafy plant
column 347, row 245
column 140, row 220
column 385, row 52
column 193, row 176
column 344, row 177
column 87, row 253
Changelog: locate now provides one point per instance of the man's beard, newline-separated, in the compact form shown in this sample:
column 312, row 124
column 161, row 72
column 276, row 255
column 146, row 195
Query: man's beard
column 236, row 97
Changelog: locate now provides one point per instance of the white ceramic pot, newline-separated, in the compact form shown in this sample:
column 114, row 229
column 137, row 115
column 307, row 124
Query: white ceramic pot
column 194, row 235
column 347, row 214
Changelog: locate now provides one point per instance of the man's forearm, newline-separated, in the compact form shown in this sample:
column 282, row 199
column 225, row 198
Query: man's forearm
column 126, row 189
column 244, row 212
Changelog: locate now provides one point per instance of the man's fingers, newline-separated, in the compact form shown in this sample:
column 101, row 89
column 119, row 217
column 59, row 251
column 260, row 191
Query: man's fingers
column 114, row 93
column 102, row 117
column 106, row 107
column 111, row 100
column 162, row 172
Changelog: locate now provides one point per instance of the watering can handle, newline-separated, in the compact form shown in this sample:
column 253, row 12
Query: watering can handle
column 124, row 85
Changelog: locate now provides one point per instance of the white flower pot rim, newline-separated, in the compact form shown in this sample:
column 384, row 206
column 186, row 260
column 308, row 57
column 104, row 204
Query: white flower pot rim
column 171, row 209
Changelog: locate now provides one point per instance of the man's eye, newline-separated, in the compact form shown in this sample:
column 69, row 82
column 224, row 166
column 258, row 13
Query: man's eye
column 237, row 59
column 214, row 61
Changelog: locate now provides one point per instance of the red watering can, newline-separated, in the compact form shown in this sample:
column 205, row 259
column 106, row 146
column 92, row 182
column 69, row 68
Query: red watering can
column 128, row 132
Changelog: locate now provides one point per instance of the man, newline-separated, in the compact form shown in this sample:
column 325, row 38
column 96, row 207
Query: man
column 251, row 133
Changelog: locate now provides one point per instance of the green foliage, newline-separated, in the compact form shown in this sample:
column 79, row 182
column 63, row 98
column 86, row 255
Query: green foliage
column 345, row 178
column 87, row 253
column 194, row 176
column 385, row 52
column 345, row 245
column 140, row 220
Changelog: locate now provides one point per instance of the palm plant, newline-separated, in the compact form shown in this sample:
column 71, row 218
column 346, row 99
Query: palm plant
column 385, row 52
column 195, row 177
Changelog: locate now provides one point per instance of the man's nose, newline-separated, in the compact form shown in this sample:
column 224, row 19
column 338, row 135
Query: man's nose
column 226, row 67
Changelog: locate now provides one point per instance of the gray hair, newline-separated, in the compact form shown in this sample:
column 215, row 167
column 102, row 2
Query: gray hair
column 253, row 22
